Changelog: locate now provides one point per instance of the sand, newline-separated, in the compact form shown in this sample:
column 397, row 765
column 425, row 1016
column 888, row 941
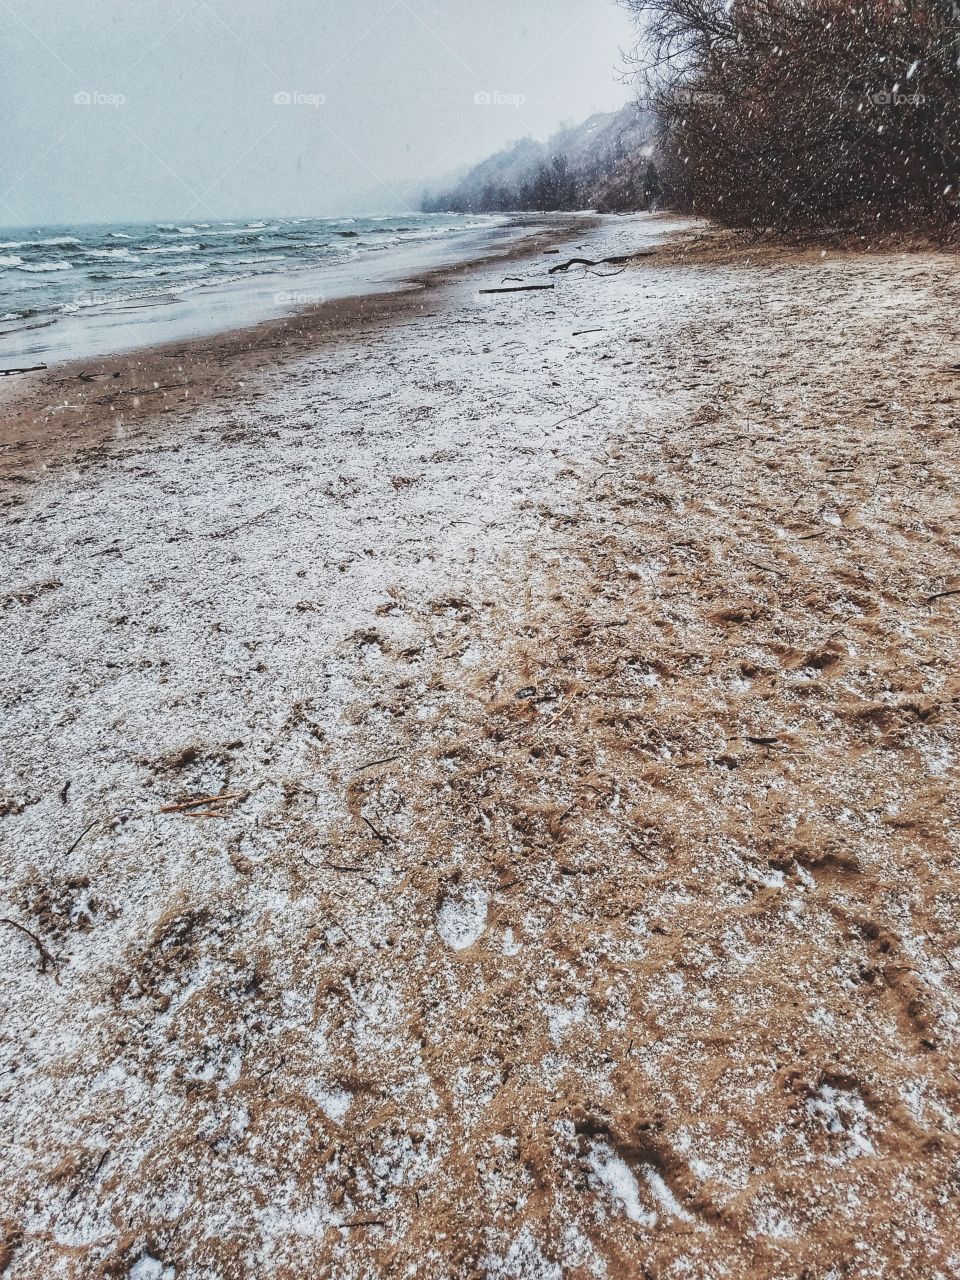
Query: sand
column 566, row 688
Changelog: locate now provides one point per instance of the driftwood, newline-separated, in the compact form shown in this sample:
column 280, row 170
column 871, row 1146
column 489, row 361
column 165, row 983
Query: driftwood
column 942, row 595
column 617, row 261
column 29, row 368
column 572, row 262
column 519, row 288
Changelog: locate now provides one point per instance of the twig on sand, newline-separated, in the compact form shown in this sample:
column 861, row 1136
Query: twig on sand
column 766, row 568
column 226, row 533
column 80, row 837
column 941, row 595
column 356, row 871
column 372, row 764
column 580, row 414
column 141, row 391
column 520, row 288
column 361, row 1222
column 28, row 368
column 199, row 802
column 379, row 834
column 46, row 958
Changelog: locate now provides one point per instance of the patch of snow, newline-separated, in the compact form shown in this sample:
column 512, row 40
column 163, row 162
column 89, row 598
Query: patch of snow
column 462, row 919
column 663, row 1195
column 842, row 1111
column 148, row 1268
column 561, row 1018
column 615, row 1177
column 524, row 1260
column 334, row 1103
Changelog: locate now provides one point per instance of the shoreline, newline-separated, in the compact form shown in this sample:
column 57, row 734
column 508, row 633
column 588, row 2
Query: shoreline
column 116, row 395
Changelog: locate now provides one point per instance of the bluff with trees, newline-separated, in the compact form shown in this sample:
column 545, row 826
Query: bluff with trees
column 605, row 163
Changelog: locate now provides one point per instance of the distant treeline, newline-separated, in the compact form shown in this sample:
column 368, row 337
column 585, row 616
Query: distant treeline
column 603, row 164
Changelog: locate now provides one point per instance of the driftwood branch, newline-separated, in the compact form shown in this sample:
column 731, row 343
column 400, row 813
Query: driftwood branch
column 519, row 288
column 616, row 261
column 29, row 368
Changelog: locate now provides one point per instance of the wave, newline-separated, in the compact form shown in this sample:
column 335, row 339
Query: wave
column 173, row 248
column 124, row 255
column 130, row 265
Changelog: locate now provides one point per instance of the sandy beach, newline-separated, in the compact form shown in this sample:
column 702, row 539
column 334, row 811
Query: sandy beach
column 478, row 788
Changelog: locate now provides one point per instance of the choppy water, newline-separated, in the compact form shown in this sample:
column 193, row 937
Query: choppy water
column 116, row 276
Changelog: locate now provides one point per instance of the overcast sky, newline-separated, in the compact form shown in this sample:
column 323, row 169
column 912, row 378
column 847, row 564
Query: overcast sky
column 144, row 109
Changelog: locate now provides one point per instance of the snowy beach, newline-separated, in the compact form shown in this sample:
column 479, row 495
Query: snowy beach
column 478, row 790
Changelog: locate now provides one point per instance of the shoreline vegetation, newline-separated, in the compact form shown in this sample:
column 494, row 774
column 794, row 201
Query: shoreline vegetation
column 606, row 164
column 779, row 118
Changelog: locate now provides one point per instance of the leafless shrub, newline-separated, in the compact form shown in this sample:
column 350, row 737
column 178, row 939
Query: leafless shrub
column 801, row 115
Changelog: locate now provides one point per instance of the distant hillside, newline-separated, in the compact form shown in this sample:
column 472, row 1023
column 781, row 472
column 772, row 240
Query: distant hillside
column 601, row 164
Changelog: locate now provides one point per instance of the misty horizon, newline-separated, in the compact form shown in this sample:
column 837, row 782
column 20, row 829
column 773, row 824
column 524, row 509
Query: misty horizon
column 183, row 114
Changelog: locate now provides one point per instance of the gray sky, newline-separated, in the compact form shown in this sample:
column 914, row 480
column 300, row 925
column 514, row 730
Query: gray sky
column 177, row 115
